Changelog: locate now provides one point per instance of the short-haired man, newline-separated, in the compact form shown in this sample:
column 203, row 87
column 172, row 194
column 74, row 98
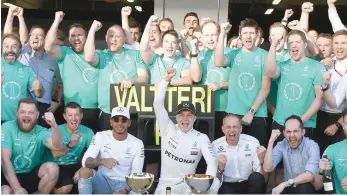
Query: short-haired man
column 240, row 160
column 181, row 146
column 248, row 84
column 329, row 121
column 115, row 153
column 118, row 65
column 44, row 66
column 80, row 80
column 132, row 29
column 336, row 155
column 17, row 80
column 166, row 24
column 190, row 22
column 22, row 146
column 299, row 81
column 300, row 157
column 325, row 46
column 76, row 139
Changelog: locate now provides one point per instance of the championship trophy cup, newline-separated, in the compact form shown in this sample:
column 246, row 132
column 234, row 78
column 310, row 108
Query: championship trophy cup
column 140, row 182
column 199, row 183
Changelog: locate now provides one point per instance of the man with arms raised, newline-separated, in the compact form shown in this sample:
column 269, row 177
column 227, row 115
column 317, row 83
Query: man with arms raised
column 76, row 139
column 22, row 146
column 248, row 83
column 79, row 79
column 117, row 65
column 115, row 153
column 299, row 81
column 181, row 146
column 240, row 160
column 16, row 79
column 300, row 157
column 43, row 65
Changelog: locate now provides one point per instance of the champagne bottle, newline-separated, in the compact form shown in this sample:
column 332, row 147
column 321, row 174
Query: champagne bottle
column 168, row 190
column 328, row 180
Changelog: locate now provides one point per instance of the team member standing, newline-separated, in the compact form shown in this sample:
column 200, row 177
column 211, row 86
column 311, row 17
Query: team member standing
column 115, row 153
column 22, row 146
column 80, row 80
column 248, row 83
column 118, row 65
column 181, row 146
column 299, row 80
column 76, row 139
column 16, row 79
column 240, row 160
column 43, row 65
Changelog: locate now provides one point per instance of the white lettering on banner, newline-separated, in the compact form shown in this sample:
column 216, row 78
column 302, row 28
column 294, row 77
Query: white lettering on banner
column 246, row 81
column 293, row 91
column 11, row 90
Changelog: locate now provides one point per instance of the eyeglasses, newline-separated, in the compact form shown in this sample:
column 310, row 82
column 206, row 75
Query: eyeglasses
column 122, row 119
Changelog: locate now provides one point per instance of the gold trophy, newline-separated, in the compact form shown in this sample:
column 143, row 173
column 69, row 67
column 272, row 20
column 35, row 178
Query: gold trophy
column 199, row 183
column 140, row 182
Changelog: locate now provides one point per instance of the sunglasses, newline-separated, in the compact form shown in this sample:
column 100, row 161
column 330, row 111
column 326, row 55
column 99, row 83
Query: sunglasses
column 121, row 119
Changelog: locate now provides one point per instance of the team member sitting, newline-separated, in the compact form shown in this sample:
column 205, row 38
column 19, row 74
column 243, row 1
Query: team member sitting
column 120, row 154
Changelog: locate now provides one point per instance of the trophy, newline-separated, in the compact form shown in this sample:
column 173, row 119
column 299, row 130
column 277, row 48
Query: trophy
column 140, row 182
column 199, row 183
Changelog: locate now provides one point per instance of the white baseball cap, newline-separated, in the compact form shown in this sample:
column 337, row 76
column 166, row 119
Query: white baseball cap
column 120, row 111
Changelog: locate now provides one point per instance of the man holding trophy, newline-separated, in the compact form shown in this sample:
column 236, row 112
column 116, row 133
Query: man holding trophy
column 181, row 146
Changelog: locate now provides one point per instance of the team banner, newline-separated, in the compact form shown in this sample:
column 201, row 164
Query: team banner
column 139, row 99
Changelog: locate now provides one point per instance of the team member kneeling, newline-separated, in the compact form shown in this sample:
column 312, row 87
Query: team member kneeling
column 181, row 145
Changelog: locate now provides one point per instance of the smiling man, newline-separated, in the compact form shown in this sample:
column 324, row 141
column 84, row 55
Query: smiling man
column 300, row 157
column 181, row 146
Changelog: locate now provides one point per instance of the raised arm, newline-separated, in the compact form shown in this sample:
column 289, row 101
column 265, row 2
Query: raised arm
column 272, row 156
column 56, row 141
column 126, row 11
column 287, row 14
column 8, row 27
column 272, row 70
column 306, row 9
column 334, row 18
column 159, row 101
column 146, row 52
column 195, row 68
column 219, row 58
column 90, row 54
column 50, row 46
column 185, row 79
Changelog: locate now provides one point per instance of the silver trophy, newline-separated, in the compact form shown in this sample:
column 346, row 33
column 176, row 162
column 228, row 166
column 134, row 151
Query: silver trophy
column 199, row 183
column 140, row 182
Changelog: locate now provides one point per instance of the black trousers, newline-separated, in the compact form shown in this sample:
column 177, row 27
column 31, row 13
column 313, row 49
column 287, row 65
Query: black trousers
column 90, row 118
column 254, row 185
column 258, row 129
column 43, row 109
column 306, row 188
column 325, row 119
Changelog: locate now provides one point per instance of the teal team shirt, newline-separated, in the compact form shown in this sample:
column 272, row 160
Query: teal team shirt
column 18, row 80
column 157, row 67
column 213, row 74
column 247, row 71
column 75, row 154
column 27, row 148
column 296, row 89
column 280, row 58
column 338, row 158
column 80, row 80
column 113, row 69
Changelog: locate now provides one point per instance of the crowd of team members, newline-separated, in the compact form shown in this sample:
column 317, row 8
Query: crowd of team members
column 298, row 89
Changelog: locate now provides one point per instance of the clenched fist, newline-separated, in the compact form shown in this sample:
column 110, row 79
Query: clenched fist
column 36, row 84
column 274, row 135
column 126, row 11
column 96, row 26
column 307, row 7
column 261, row 153
column 225, row 27
column 222, row 161
column 170, row 73
column 49, row 118
column 59, row 16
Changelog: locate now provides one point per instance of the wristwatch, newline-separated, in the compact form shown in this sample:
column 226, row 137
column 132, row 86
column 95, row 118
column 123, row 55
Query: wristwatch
column 291, row 182
column 324, row 89
column 252, row 111
column 193, row 55
column 338, row 125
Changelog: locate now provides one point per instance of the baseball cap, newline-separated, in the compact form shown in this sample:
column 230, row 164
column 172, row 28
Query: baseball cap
column 120, row 111
column 186, row 106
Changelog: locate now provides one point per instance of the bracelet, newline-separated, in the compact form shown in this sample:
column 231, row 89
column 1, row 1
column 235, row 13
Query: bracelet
column 219, row 171
column 68, row 145
column 193, row 55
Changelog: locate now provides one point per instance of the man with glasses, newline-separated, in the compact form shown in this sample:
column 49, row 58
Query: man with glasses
column 33, row 54
column 115, row 153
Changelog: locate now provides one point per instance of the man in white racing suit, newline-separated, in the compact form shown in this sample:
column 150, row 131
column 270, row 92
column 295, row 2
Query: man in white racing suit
column 181, row 145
